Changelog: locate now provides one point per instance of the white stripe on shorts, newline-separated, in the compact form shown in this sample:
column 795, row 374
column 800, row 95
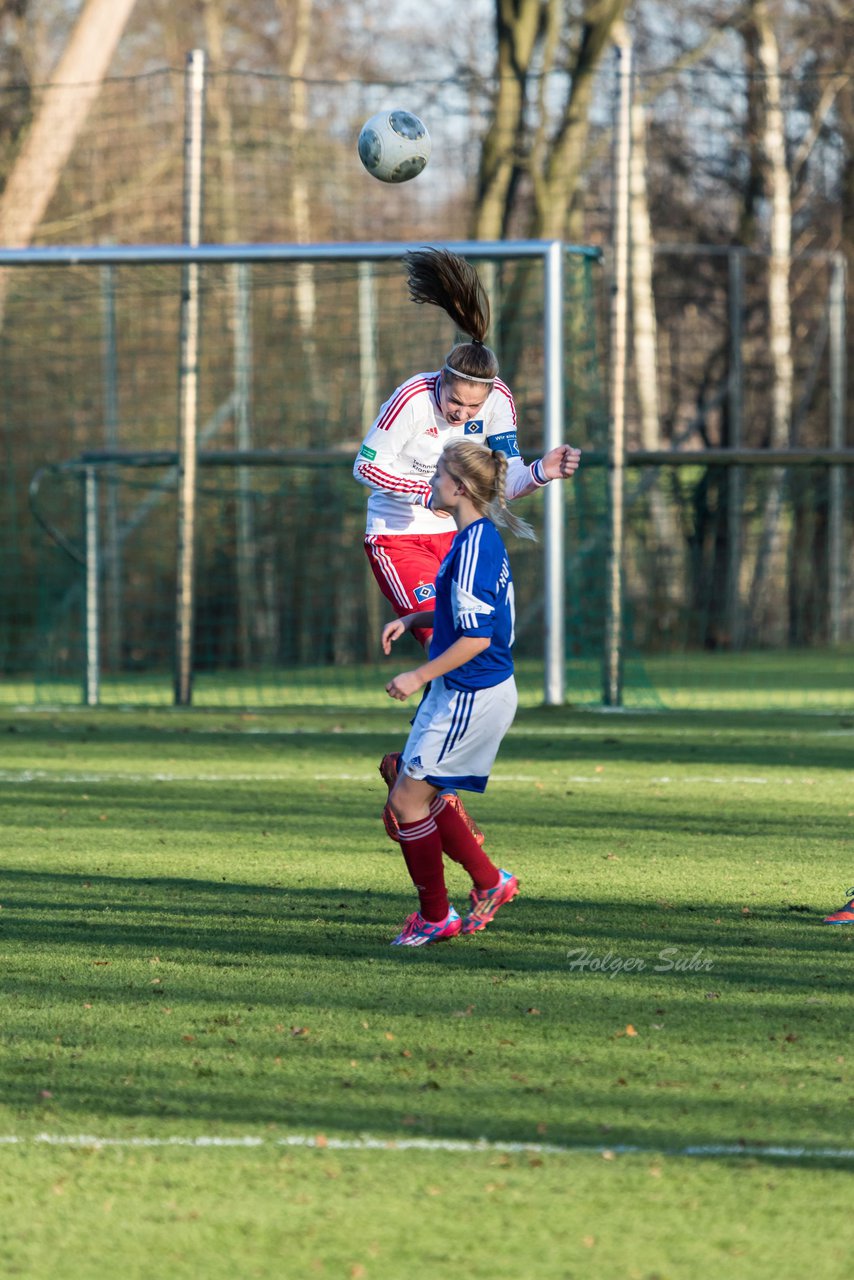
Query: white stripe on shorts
column 456, row 734
column 385, row 563
column 463, row 705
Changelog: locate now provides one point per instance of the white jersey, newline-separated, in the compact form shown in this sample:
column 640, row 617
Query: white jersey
column 399, row 454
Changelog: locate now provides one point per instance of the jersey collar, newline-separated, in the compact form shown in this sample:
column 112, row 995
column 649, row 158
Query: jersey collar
column 437, row 389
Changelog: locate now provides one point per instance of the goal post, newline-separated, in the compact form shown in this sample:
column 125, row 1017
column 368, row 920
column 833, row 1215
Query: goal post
column 538, row 339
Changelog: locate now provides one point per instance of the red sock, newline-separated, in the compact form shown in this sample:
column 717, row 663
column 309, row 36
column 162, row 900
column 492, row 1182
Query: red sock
column 422, row 849
column 459, row 844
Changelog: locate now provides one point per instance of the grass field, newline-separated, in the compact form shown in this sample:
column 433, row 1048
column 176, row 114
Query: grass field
column 214, row 1065
column 779, row 680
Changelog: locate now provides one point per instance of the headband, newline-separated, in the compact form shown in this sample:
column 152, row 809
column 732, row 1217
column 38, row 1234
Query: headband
column 466, row 377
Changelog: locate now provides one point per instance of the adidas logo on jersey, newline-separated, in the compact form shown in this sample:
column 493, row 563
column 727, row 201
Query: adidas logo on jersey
column 432, row 431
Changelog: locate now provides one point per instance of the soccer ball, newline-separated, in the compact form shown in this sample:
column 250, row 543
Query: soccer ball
column 394, row 146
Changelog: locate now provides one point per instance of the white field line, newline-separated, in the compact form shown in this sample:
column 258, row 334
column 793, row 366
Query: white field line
column 50, row 775
column 452, row 1145
column 518, row 730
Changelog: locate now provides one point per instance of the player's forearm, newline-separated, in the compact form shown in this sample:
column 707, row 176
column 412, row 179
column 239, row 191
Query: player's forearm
column 456, row 655
column 424, row 618
column 559, row 463
column 523, row 479
column 383, row 476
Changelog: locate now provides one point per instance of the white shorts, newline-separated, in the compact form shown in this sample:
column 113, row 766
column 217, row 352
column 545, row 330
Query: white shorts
column 456, row 734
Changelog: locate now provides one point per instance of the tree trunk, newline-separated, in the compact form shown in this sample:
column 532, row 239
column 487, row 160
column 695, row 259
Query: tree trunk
column 518, row 23
column 240, row 327
column 846, row 119
column 59, row 118
column 770, row 552
column 220, row 108
column 555, row 193
column 306, row 292
column 300, row 212
column 666, row 538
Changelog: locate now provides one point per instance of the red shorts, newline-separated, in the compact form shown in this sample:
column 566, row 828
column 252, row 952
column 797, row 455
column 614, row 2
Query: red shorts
column 405, row 566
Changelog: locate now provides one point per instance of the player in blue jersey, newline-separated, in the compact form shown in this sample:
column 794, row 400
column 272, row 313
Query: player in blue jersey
column 471, row 699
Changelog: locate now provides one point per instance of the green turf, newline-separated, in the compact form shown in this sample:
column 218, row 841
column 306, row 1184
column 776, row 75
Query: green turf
column 195, row 914
column 786, row 679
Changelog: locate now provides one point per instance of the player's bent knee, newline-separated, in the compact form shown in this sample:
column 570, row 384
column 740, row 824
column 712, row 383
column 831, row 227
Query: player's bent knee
column 398, row 807
column 410, row 798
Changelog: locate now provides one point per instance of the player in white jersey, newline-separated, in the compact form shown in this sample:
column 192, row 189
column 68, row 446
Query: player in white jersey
column 407, row 536
column 471, row 700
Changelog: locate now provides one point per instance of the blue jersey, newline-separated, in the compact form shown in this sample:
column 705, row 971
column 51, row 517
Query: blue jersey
column 474, row 597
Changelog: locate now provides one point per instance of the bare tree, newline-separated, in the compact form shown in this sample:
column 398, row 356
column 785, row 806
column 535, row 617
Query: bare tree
column 300, row 209
column 76, row 81
column 558, row 212
column 57, row 122
column 14, row 72
column 761, row 38
column 665, row 531
column 534, row 41
column 518, row 26
column 846, row 116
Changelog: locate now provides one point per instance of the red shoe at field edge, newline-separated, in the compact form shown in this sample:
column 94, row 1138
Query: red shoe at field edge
column 845, row 915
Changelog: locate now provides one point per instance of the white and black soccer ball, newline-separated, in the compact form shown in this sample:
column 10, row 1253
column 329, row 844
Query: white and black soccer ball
column 394, row 146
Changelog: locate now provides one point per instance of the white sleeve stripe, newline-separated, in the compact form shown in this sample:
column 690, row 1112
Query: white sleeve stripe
column 470, row 618
column 463, row 566
column 469, row 558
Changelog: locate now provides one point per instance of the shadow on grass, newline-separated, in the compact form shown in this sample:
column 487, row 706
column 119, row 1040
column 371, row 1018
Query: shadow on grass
column 327, row 815
column 207, row 920
column 237, row 956
column 493, row 1115
column 745, row 739
column 197, row 806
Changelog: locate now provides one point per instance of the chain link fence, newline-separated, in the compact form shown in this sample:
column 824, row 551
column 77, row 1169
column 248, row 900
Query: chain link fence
column 90, row 361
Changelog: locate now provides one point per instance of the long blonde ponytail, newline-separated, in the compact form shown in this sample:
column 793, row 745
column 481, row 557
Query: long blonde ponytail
column 484, row 474
column 498, row 511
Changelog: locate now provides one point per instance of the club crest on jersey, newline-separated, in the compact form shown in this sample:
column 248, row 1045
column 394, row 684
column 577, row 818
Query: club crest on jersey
column 474, row 428
column 424, row 591
column 504, row 442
